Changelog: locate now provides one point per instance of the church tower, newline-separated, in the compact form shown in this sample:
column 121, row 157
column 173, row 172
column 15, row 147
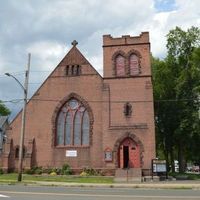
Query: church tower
column 129, row 117
column 126, row 56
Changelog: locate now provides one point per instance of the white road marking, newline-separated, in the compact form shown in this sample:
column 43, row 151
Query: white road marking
column 1, row 195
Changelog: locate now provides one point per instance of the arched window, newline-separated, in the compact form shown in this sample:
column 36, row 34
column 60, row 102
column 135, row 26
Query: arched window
column 134, row 65
column 127, row 109
column 120, row 65
column 73, row 124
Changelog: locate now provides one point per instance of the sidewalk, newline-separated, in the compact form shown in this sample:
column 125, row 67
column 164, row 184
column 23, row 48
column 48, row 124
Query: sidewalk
column 153, row 185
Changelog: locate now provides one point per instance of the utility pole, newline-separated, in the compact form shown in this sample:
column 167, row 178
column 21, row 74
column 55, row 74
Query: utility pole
column 21, row 147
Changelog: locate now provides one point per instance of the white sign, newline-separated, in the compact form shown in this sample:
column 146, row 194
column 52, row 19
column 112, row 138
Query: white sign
column 159, row 165
column 71, row 153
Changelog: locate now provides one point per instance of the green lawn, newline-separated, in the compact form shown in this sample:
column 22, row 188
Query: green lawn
column 189, row 176
column 72, row 179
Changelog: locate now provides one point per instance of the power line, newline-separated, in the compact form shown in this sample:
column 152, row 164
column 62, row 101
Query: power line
column 100, row 101
column 23, row 72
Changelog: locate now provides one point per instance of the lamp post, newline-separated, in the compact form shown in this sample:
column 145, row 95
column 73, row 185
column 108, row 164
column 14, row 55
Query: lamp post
column 25, row 90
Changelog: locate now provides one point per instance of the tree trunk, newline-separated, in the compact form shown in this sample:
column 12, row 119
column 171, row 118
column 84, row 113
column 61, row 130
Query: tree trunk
column 167, row 159
column 181, row 159
column 172, row 159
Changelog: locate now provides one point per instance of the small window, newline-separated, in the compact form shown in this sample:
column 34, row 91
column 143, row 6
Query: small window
column 127, row 109
column 73, row 70
column 67, row 70
column 120, row 65
column 78, row 70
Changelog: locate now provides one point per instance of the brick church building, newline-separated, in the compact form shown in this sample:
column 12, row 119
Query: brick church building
column 86, row 120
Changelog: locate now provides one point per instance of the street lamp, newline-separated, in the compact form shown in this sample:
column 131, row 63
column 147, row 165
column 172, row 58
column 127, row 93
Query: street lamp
column 25, row 90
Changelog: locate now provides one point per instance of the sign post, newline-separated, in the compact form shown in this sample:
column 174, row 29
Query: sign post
column 159, row 167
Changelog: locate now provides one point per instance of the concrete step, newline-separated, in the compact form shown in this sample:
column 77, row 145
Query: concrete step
column 128, row 175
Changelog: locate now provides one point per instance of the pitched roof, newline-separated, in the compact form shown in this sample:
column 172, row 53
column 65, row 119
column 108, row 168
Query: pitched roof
column 74, row 56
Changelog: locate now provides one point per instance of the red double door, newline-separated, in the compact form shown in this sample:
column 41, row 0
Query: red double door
column 129, row 154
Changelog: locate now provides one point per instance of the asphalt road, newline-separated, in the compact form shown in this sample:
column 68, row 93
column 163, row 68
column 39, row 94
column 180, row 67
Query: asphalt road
column 20, row 192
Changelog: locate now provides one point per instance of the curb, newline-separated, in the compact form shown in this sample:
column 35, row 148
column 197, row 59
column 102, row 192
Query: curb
column 164, row 185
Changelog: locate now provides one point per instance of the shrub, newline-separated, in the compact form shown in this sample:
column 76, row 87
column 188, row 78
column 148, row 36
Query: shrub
column 38, row 170
column 34, row 170
column 56, row 170
column 29, row 171
column 1, row 171
column 53, row 174
column 47, row 170
column 66, row 170
column 90, row 172
column 83, row 174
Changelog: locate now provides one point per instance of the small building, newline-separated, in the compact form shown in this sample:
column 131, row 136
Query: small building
column 86, row 120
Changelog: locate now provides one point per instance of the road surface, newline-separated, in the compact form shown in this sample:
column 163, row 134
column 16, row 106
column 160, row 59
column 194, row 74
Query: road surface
column 20, row 192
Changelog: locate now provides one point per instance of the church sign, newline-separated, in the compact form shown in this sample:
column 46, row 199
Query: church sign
column 108, row 155
column 71, row 153
column 159, row 165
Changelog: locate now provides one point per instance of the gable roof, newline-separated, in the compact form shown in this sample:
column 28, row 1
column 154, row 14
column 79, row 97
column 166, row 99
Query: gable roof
column 73, row 56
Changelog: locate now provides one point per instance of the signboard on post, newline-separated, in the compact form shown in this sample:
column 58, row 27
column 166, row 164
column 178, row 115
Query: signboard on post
column 159, row 166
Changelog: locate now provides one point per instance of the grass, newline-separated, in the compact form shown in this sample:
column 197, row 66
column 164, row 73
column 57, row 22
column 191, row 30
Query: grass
column 189, row 176
column 12, row 178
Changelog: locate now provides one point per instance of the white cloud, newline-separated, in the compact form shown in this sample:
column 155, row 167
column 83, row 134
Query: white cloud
column 47, row 53
column 46, row 28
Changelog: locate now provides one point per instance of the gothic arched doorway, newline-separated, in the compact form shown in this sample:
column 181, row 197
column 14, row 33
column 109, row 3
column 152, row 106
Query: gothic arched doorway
column 129, row 154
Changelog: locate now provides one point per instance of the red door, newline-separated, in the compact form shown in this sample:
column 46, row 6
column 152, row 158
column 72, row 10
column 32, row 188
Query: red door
column 129, row 154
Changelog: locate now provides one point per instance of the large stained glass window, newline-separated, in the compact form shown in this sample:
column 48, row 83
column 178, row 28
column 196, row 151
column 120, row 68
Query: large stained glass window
column 73, row 125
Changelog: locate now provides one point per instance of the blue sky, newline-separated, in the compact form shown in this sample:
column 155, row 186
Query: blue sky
column 165, row 5
column 46, row 28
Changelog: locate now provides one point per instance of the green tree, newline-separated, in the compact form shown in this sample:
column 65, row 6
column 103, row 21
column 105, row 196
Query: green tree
column 165, row 110
column 3, row 110
column 177, row 90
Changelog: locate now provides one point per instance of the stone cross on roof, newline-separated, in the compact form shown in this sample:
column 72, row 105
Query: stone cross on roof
column 74, row 43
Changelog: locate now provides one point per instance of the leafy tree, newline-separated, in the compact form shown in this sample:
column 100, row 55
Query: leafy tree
column 177, row 80
column 3, row 110
column 165, row 110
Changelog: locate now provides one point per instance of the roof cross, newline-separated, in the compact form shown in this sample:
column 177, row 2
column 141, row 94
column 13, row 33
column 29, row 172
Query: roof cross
column 74, row 43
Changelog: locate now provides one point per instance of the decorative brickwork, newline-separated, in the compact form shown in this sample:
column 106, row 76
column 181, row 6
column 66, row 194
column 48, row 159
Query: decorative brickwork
column 126, row 57
column 121, row 139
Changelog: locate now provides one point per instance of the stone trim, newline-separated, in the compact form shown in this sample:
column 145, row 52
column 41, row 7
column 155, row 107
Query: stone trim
column 58, row 108
column 120, row 140
column 133, row 51
column 137, row 53
column 127, row 61
column 117, row 53
column 133, row 126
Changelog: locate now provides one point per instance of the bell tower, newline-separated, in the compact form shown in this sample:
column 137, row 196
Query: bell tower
column 126, row 56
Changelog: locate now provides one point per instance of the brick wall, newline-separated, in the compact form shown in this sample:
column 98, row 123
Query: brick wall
column 105, row 97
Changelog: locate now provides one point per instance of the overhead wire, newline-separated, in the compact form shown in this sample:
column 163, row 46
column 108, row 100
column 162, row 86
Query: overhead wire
column 100, row 101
